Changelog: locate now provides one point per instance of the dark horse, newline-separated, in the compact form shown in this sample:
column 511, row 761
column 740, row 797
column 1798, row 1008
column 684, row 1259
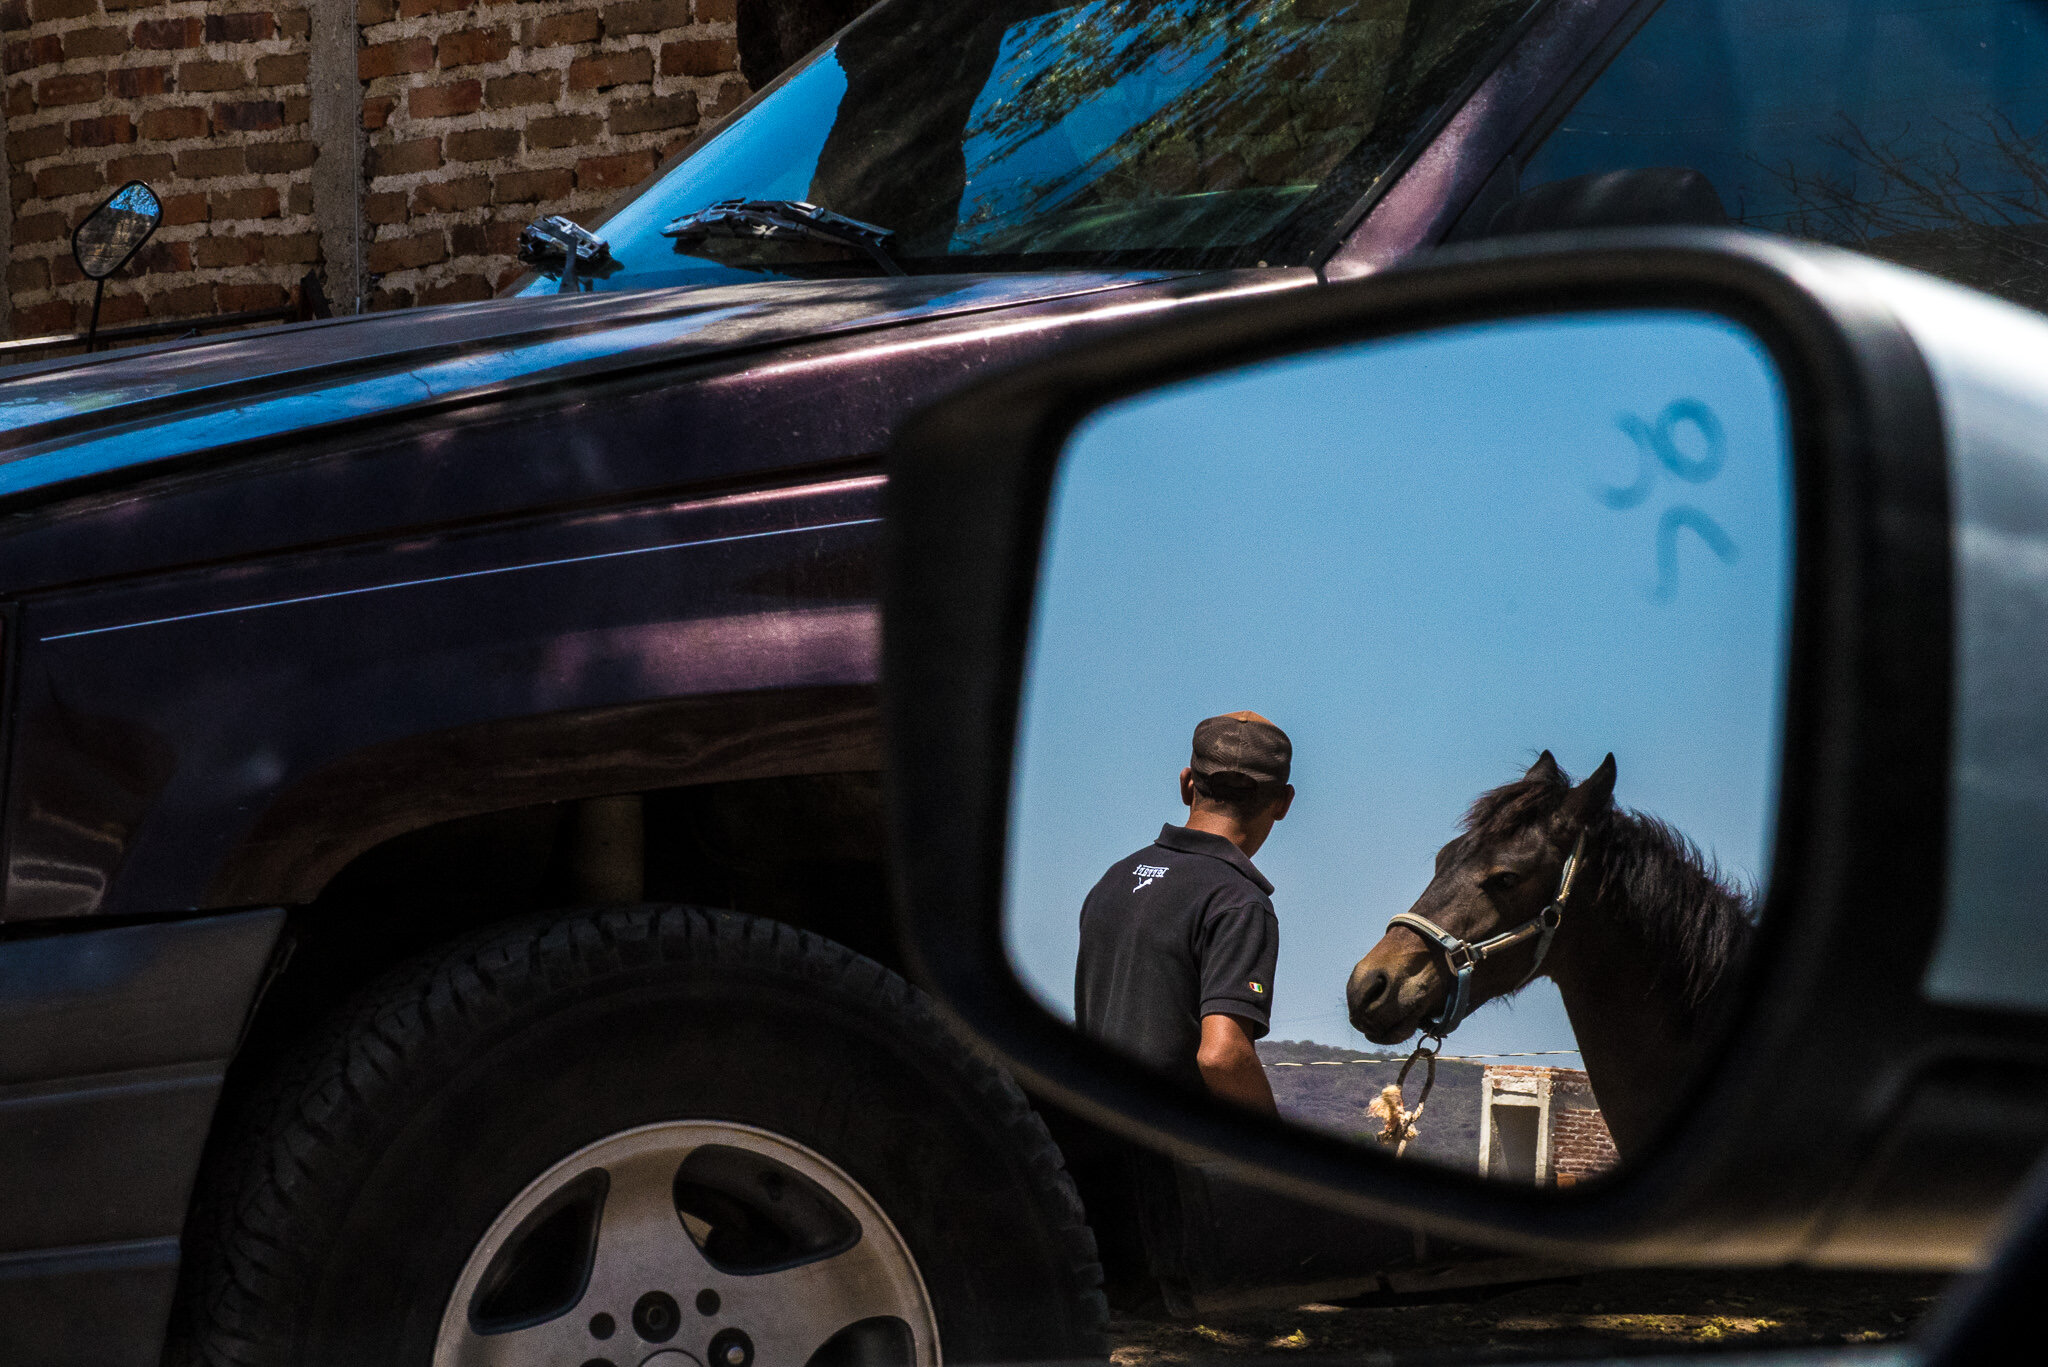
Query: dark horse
column 1644, row 957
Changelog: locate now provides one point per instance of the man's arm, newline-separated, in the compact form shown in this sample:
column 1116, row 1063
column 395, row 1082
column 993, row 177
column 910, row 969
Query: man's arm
column 1230, row 1066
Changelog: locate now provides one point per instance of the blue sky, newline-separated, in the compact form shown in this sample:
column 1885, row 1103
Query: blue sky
column 1427, row 559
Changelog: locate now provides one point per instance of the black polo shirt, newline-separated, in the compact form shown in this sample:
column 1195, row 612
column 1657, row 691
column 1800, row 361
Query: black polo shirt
column 1180, row 930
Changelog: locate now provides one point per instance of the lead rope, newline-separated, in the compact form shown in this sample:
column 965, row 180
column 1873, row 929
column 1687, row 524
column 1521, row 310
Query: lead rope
column 1400, row 1125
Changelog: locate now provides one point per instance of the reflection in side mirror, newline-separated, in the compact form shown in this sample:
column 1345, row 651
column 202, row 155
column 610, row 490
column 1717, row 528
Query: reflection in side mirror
column 109, row 238
column 1448, row 567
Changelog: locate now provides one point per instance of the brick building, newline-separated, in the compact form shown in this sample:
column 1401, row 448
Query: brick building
column 1541, row 1125
column 393, row 148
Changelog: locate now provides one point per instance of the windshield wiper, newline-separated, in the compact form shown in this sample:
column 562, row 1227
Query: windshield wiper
column 783, row 220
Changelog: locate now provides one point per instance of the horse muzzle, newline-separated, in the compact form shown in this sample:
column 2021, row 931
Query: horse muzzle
column 1388, row 1002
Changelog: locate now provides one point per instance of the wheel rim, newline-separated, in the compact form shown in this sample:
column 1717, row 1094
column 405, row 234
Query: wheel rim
column 690, row 1243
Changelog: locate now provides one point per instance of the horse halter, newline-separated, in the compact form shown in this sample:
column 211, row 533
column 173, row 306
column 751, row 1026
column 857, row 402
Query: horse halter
column 1462, row 957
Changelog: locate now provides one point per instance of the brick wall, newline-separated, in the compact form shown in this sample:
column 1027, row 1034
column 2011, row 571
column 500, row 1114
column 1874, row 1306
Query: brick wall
column 205, row 102
column 483, row 116
column 1579, row 1145
column 475, row 116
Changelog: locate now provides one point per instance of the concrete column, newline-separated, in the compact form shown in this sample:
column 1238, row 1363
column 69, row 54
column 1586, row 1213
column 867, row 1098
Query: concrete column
column 337, row 128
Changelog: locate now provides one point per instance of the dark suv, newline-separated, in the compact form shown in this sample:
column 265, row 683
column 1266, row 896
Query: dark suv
column 446, row 917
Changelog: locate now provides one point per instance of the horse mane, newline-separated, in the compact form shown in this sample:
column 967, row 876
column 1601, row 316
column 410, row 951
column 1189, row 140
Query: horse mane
column 1696, row 923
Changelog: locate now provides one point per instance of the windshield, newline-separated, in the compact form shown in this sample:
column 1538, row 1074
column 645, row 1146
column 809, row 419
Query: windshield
column 1027, row 134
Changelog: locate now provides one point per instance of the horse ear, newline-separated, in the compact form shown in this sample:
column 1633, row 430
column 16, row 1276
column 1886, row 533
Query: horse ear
column 1592, row 796
column 1545, row 769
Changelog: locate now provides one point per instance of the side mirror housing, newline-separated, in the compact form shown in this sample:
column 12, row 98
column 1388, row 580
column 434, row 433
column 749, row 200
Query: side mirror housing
column 1869, row 1100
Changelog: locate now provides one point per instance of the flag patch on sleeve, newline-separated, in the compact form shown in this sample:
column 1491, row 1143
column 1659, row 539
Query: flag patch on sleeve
column 1258, row 987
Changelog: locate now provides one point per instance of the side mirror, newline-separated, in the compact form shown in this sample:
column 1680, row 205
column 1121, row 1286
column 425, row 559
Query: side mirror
column 1744, row 534
column 108, row 238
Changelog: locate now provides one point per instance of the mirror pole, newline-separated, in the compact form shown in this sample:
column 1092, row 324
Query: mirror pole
column 92, row 330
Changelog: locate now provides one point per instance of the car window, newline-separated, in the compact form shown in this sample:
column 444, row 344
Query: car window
column 1025, row 134
column 1912, row 131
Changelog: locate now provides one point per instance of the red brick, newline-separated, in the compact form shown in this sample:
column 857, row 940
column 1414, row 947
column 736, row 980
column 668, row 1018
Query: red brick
column 214, row 252
column 41, row 228
column 251, row 298
column 204, row 163
column 393, row 59
column 26, row 53
column 716, row 11
column 377, row 111
column 21, row 101
column 483, row 144
column 294, row 23
column 33, row 144
column 383, row 299
column 108, row 130
column 370, row 12
column 299, row 199
column 24, row 277
column 611, row 68
column 134, row 82
column 186, row 301
column 645, row 16
column 248, row 116
column 184, row 209
column 463, row 289
column 95, row 42
column 64, row 271
column 287, row 68
column 258, row 201
column 273, row 158
column 645, row 116
column 114, row 6
column 407, row 253
column 451, row 196
column 251, row 27
column 561, row 30
column 614, row 173
column 121, row 307
column 55, row 182
column 147, row 166
column 211, row 76
column 44, row 320
column 486, row 239
column 405, row 158
column 164, row 125
column 388, row 207
column 160, row 35
column 83, row 87
column 729, row 96
column 699, row 57
column 528, row 87
column 444, row 101
column 413, row 9
column 565, row 130
column 298, row 109
column 529, row 187
column 44, row 10
column 474, row 45
column 159, row 257
column 291, row 249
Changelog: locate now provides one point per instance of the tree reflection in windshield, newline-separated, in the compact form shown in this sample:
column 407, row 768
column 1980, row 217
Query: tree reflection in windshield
column 1026, row 133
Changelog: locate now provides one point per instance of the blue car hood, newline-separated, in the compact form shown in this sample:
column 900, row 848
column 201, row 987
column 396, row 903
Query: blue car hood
column 76, row 419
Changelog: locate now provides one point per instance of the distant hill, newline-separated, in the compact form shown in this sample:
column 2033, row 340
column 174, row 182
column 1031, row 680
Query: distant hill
column 1329, row 1088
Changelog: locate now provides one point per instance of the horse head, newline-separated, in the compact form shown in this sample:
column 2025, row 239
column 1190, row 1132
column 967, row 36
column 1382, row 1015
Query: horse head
column 1499, row 873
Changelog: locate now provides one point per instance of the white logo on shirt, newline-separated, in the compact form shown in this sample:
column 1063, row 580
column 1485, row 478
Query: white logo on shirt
column 1147, row 873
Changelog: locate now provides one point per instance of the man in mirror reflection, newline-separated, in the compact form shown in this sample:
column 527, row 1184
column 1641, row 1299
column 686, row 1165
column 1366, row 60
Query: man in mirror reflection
column 1179, row 940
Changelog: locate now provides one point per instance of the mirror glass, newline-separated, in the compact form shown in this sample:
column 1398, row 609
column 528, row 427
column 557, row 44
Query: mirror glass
column 112, row 233
column 1462, row 604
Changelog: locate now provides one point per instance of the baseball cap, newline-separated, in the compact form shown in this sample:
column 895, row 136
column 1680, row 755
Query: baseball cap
column 1244, row 749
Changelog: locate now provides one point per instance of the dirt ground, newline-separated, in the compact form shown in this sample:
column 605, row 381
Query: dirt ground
column 1596, row 1314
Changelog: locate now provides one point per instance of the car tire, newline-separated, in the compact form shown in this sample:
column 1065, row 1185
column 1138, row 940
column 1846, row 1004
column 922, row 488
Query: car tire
column 378, row 1176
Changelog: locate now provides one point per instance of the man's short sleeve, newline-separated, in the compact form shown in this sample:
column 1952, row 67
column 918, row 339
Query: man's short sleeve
column 1240, row 945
